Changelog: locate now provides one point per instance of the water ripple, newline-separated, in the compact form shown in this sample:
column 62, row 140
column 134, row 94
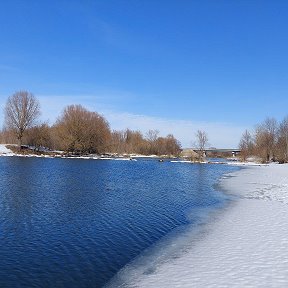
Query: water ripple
column 75, row 223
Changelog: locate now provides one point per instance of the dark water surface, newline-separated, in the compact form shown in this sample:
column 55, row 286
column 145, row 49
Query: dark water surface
column 75, row 223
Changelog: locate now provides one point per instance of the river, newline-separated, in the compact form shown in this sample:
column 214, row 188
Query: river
column 76, row 222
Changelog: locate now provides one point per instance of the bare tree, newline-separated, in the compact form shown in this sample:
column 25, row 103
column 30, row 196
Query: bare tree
column 81, row 131
column 167, row 146
column 266, row 138
column 269, row 143
column 246, row 145
column 21, row 111
column 129, row 141
column 282, row 145
column 201, row 142
column 117, row 142
column 172, row 145
column 39, row 136
column 151, row 137
column 7, row 136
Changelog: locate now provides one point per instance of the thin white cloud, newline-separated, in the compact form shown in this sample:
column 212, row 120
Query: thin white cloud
column 221, row 135
column 53, row 105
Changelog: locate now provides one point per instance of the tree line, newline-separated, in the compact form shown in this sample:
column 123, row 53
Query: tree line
column 268, row 141
column 77, row 130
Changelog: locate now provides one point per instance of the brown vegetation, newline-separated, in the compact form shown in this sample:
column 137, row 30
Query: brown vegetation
column 268, row 142
column 129, row 141
column 77, row 131
column 80, row 131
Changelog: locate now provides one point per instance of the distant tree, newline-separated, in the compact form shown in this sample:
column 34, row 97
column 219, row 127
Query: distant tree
column 246, row 145
column 173, row 146
column 81, row 131
column 167, row 146
column 118, row 144
column 129, row 141
column 270, row 141
column 201, row 143
column 282, row 144
column 39, row 136
column 266, row 139
column 21, row 111
column 151, row 137
column 134, row 141
column 160, row 146
column 7, row 136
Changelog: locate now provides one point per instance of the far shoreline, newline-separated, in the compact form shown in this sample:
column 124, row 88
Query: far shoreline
column 6, row 152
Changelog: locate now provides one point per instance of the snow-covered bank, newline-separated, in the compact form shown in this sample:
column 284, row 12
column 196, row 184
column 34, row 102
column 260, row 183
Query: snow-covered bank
column 265, row 182
column 5, row 151
column 246, row 245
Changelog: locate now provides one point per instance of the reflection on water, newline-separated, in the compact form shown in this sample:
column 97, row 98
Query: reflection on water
column 75, row 223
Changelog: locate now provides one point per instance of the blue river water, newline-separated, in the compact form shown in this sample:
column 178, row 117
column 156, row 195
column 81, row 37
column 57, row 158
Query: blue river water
column 76, row 223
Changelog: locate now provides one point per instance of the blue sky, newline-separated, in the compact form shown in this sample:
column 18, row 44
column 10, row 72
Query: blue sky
column 176, row 66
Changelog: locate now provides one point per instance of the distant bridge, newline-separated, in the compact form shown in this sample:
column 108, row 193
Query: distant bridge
column 233, row 152
column 215, row 150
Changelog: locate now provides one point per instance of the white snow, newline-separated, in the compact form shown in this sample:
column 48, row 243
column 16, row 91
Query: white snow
column 244, row 245
column 5, row 151
column 181, row 161
column 262, row 183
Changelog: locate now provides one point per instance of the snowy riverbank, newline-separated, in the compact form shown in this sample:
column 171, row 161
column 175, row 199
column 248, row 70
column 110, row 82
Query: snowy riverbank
column 243, row 246
column 5, row 151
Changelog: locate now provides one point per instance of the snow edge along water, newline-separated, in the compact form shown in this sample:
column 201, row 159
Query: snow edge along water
column 245, row 245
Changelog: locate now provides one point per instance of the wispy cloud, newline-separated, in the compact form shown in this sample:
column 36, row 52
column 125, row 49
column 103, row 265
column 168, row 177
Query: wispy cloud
column 53, row 105
column 221, row 135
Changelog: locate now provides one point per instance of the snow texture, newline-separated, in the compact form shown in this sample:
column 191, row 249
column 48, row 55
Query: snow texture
column 4, row 151
column 245, row 245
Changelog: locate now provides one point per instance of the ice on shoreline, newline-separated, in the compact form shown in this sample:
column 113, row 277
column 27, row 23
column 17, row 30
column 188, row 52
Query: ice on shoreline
column 245, row 245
